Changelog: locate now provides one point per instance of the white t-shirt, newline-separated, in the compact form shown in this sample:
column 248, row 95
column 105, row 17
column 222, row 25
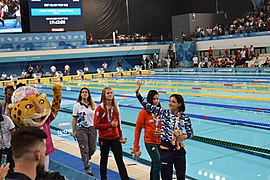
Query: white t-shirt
column 84, row 114
column 85, row 69
column 24, row 73
column 5, row 8
column 104, row 65
column 67, row 67
column 6, row 126
column 243, row 54
column 18, row 13
column 53, row 69
column 195, row 60
column 4, row 76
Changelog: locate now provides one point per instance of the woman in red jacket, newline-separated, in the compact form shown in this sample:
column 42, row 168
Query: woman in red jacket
column 152, row 125
column 107, row 121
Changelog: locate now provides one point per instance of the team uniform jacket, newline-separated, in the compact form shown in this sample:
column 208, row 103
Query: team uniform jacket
column 149, row 123
column 102, row 122
column 168, row 120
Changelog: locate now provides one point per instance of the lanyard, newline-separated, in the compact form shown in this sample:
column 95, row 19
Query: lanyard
column 110, row 114
column 156, row 120
column 177, row 119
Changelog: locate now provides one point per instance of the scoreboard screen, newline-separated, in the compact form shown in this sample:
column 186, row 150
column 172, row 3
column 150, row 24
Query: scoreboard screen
column 55, row 15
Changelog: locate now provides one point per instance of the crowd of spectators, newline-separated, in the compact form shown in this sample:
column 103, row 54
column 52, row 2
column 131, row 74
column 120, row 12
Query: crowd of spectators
column 136, row 37
column 241, row 58
column 253, row 21
column 130, row 38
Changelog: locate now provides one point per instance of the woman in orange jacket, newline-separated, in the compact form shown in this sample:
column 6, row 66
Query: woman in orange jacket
column 152, row 125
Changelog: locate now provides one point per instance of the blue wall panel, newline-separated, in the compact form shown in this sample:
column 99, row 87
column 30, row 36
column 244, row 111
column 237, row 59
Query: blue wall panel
column 184, row 53
column 66, row 40
column 41, row 41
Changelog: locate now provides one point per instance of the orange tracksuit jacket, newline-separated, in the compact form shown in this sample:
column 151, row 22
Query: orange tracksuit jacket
column 146, row 121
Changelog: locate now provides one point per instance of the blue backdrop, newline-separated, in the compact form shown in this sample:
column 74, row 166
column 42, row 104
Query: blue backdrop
column 42, row 41
column 184, row 53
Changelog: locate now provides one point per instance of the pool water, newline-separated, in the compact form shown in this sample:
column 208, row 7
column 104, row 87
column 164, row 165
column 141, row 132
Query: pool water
column 230, row 117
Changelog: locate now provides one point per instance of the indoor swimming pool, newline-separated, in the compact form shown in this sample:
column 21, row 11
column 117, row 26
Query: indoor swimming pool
column 230, row 117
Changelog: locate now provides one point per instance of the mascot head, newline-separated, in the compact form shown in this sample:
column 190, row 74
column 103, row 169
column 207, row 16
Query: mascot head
column 29, row 108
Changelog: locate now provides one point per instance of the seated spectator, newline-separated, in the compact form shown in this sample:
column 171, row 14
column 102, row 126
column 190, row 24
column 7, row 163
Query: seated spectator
column 246, row 64
column 53, row 70
column 203, row 64
column 104, row 66
column 211, row 63
column 232, row 62
column 216, row 63
column 24, row 74
column 4, row 76
column 119, row 69
column 266, row 63
column 224, row 63
column 39, row 69
column 85, row 69
column 256, row 62
column 67, row 70
column 100, row 70
column 209, row 31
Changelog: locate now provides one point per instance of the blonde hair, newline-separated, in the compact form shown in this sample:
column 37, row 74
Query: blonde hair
column 103, row 100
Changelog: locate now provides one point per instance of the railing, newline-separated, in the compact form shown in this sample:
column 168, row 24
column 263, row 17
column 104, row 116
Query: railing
column 251, row 34
column 129, row 40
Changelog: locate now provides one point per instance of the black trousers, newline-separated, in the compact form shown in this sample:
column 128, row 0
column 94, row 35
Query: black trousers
column 116, row 147
column 8, row 152
column 170, row 158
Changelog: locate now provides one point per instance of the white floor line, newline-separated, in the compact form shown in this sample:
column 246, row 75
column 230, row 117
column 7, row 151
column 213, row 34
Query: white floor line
column 135, row 169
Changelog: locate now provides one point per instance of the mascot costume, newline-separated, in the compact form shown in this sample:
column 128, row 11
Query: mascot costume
column 29, row 108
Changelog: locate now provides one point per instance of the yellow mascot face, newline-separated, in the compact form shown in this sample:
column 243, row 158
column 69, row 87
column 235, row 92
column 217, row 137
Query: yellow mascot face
column 29, row 108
